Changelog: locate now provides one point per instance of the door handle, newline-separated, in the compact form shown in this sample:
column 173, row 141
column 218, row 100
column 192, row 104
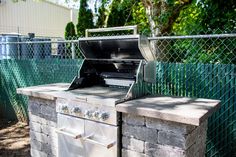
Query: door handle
column 92, row 141
column 62, row 131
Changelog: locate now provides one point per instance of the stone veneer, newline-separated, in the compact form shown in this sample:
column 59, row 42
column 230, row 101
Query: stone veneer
column 43, row 122
column 141, row 136
column 149, row 137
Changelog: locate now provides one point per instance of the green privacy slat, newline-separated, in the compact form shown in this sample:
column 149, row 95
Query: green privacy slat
column 209, row 81
column 22, row 73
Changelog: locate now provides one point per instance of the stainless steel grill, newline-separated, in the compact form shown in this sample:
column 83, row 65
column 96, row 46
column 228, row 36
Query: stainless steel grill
column 113, row 71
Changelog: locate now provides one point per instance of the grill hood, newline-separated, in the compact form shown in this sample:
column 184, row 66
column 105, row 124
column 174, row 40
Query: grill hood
column 113, row 63
column 127, row 47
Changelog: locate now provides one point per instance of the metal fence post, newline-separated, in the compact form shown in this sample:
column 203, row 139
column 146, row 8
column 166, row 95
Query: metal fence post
column 73, row 50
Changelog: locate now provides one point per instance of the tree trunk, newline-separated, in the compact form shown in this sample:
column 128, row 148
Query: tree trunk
column 154, row 9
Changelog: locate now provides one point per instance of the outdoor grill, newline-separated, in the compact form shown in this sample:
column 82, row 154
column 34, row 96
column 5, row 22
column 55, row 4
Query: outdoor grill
column 114, row 70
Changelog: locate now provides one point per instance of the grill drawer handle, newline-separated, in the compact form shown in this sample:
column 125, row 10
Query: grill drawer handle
column 90, row 140
column 62, row 131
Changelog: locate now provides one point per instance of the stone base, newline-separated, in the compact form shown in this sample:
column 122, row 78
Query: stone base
column 141, row 136
column 43, row 122
column 149, row 137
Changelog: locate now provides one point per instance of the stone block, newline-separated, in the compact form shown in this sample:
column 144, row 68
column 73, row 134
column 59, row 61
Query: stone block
column 140, row 133
column 156, row 150
column 133, row 144
column 48, row 130
column 53, row 140
column 46, row 110
column 198, row 134
column 34, row 108
column 45, row 129
column 54, row 150
column 130, row 153
column 36, row 127
column 171, row 139
column 51, row 155
column 36, row 144
column 37, row 153
column 174, row 127
column 46, row 148
column 39, row 137
column 133, row 119
column 53, row 123
column 52, row 117
column 37, row 119
column 193, row 151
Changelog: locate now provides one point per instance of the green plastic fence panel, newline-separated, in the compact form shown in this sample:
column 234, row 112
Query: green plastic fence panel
column 1, row 103
column 214, row 81
column 23, row 73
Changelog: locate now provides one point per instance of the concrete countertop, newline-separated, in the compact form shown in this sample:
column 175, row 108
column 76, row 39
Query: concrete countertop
column 48, row 91
column 94, row 95
column 176, row 109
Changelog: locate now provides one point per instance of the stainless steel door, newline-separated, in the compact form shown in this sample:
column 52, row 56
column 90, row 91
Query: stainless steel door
column 100, row 139
column 70, row 136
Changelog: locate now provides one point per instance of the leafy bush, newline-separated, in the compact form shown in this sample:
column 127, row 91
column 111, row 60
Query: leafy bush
column 70, row 31
column 85, row 18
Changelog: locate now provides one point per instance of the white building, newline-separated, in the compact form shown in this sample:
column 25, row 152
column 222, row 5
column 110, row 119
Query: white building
column 44, row 18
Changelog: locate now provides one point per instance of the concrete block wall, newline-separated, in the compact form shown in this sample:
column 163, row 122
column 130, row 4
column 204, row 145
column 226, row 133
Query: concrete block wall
column 43, row 122
column 149, row 137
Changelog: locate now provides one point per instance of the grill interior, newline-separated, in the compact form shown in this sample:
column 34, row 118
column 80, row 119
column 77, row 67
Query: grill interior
column 106, row 73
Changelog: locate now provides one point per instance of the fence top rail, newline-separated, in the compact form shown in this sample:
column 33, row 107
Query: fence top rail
column 41, row 42
column 194, row 36
column 207, row 36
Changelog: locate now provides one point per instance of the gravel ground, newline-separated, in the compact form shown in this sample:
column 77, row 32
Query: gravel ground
column 14, row 139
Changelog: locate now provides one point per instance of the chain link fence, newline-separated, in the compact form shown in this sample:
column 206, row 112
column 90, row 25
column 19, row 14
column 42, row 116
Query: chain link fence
column 198, row 66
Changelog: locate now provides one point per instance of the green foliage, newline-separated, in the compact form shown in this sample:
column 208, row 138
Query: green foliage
column 85, row 18
column 123, row 12
column 139, row 18
column 120, row 12
column 102, row 17
column 163, row 13
column 219, row 15
column 205, row 17
column 102, row 14
column 189, row 20
column 70, row 31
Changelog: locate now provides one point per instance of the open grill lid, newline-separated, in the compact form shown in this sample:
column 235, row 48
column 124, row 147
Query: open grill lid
column 116, row 47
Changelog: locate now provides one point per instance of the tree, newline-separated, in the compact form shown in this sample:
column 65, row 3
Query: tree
column 139, row 18
column 123, row 12
column 85, row 18
column 70, row 30
column 119, row 13
column 219, row 16
column 162, row 14
column 103, row 12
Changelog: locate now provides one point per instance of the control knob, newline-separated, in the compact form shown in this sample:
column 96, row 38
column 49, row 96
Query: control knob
column 103, row 116
column 65, row 109
column 88, row 114
column 95, row 115
column 76, row 110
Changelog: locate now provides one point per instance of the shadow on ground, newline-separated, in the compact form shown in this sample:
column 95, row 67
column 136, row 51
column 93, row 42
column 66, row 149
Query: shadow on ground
column 14, row 139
